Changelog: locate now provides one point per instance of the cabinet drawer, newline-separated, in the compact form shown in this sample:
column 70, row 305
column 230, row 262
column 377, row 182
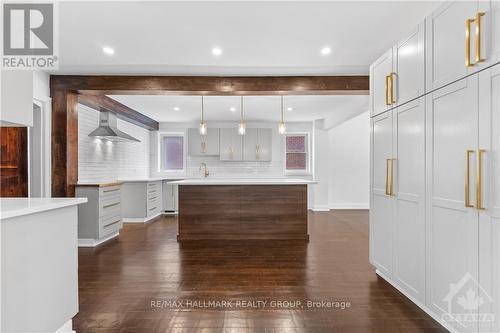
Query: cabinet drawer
column 107, row 205
column 109, row 227
column 109, row 191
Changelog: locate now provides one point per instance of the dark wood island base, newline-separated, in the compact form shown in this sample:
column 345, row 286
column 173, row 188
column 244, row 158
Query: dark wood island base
column 242, row 212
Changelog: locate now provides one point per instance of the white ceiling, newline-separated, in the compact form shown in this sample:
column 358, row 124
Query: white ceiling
column 256, row 108
column 257, row 38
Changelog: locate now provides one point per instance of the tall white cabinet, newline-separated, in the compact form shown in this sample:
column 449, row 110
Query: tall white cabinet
column 435, row 166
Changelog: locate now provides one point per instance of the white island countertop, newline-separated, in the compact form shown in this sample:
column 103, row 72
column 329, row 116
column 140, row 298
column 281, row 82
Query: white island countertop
column 14, row 207
column 243, row 181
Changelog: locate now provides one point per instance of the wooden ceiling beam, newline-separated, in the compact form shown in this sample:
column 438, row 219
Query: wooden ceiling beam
column 104, row 103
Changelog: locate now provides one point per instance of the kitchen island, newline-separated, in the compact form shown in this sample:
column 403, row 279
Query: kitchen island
column 236, row 209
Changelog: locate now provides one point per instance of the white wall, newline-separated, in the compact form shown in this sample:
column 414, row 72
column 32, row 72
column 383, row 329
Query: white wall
column 106, row 160
column 321, row 168
column 349, row 163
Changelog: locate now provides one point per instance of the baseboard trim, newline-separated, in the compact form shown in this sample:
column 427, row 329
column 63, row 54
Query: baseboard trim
column 320, row 209
column 350, row 206
column 90, row 242
column 139, row 219
column 417, row 303
column 67, row 327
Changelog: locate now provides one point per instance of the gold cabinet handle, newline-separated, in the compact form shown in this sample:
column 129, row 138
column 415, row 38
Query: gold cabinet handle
column 387, row 162
column 468, row 23
column 479, row 180
column 387, row 102
column 392, row 100
column 468, row 153
column 478, row 37
column 391, row 192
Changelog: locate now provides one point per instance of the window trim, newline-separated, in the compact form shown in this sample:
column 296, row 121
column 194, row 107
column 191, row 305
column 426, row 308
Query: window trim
column 162, row 135
column 307, row 170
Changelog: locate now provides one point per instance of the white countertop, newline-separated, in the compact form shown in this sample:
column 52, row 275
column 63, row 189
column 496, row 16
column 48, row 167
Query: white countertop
column 139, row 180
column 243, row 181
column 14, row 207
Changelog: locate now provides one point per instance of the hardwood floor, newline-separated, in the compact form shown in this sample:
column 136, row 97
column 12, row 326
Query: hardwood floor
column 121, row 280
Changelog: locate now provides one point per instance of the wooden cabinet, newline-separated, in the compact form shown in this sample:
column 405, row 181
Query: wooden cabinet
column 257, row 145
column 450, row 54
column 231, row 145
column 100, row 218
column 142, row 200
column 203, row 145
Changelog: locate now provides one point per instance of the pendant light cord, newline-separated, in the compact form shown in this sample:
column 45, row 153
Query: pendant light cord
column 202, row 115
column 282, row 118
column 241, row 110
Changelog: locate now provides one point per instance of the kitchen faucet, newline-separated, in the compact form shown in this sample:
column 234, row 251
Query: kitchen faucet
column 204, row 165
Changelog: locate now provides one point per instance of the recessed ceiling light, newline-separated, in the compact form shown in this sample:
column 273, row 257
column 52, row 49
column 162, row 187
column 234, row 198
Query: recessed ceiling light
column 108, row 50
column 326, row 50
column 232, row 109
column 289, row 108
column 216, row 51
column 176, row 108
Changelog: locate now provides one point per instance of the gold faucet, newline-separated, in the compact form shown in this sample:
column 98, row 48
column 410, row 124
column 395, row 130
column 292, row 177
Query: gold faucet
column 204, row 165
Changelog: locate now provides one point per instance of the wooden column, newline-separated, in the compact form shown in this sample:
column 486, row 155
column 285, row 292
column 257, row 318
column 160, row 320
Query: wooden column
column 64, row 142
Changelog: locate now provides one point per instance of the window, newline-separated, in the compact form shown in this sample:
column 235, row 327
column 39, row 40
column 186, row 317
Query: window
column 296, row 153
column 172, row 152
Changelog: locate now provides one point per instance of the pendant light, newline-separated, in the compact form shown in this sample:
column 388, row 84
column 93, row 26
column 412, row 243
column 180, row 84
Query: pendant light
column 203, row 126
column 282, row 126
column 242, row 125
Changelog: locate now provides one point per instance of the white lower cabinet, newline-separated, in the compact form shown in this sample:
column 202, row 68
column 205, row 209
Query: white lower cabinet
column 100, row 218
column 142, row 200
column 439, row 244
column 409, row 198
column 170, row 197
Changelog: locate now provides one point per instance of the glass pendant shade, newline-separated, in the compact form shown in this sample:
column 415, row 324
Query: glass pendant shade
column 282, row 128
column 241, row 128
column 203, row 129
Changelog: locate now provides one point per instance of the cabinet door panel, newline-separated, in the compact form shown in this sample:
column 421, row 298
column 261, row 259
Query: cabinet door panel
column 409, row 66
column 489, row 218
column 381, row 212
column 230, row 146
column 490, row 32
column 250, row 142
column 445, row 43
column 378, row 72
column 409, row 223
column 452, row 230
column 265, row 144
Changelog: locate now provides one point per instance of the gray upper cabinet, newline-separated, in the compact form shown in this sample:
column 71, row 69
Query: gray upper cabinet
column 257, row 145
column 380, row 72
column 409, row 67
column 231, row 145
column 203, row 145
column 450, row 54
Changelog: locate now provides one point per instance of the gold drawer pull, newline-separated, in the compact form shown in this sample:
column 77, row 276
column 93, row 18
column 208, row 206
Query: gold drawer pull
column 478, row 37
column 479, row 180
column 468, row 153
column 468, row 23
column 111, row 205
column 387, row 102
column 392, row 100
column 387, row 162
column 108, row 191
column 152, row 208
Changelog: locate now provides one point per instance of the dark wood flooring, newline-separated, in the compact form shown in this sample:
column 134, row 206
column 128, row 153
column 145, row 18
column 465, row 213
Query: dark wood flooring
column 120, row 280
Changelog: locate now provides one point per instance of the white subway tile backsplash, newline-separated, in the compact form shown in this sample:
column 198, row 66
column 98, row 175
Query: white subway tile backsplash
column 105, row 160
column 222, row 169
